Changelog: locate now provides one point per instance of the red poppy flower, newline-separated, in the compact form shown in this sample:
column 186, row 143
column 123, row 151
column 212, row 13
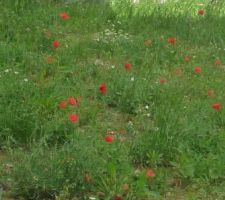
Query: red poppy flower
column 64, row 16
column 171, row 40
column 198, row 70
column 108, row 138
column 72, row 101
column 117, row 198
column 162, row 81
column 210, row 93
column 73, row 118
column 150, row 173
column 217, row 106
column 187, row 58
column 56, row 44
column 62, row 104
column 217, row 62
column 128, row 66
column 102, row 88
column 201, row 12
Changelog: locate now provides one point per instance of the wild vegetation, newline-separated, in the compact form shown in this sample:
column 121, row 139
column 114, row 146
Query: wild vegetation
column 112, row 100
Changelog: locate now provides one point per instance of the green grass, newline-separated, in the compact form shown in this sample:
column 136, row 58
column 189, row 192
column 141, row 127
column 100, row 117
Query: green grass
column 159, row 113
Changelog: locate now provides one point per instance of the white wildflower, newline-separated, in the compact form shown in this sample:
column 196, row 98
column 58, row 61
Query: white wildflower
column 130, row 123
column 156, row 128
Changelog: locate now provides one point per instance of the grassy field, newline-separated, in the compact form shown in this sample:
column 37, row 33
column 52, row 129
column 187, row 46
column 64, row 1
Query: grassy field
column 112, row 101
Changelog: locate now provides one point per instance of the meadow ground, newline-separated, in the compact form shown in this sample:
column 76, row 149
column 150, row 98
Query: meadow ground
column 112, row 101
